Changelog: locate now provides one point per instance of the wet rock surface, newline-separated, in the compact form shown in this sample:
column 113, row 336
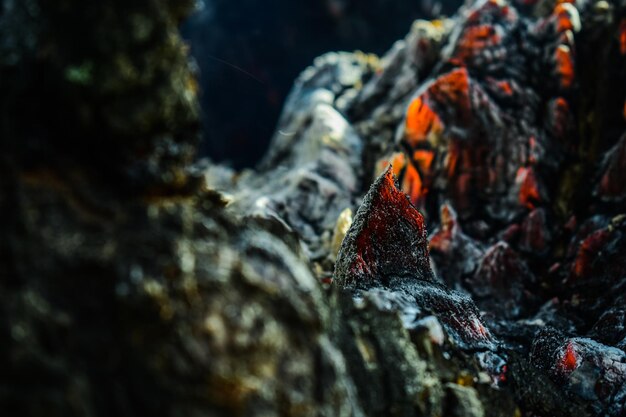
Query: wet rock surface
column 440, row 231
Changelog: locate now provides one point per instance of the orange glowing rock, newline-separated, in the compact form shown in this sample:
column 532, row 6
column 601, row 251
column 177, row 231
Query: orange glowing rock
column 474, row 40
column 529, row 193
column 461, row 190
column 421, row 122
column 566, row 17
column 424, row 160
column 611, row 187
column 569, row 361
column 408, row 175
column 587, row 252
column 493, row 7
column 442, row 239
column 452, row 89
column 562, row 103
column 412, row 185
column 564, row 66
column 506, row 87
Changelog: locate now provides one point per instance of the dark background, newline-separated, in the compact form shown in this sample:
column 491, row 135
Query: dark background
column 249, row 52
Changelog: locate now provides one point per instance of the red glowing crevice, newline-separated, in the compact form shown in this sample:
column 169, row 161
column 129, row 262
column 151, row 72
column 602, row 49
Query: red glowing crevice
column 569, row 361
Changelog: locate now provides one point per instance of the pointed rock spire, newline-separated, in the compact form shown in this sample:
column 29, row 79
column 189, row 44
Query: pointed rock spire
column 387, row 240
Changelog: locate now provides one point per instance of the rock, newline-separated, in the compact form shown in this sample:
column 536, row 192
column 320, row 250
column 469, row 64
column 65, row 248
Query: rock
column 387, row 240
column 138, row 281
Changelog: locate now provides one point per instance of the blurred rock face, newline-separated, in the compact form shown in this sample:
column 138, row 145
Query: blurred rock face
column 248, row 53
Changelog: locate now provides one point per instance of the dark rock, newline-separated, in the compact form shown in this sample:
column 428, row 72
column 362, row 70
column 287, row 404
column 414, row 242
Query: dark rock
column 134, row 281
column 387, row 240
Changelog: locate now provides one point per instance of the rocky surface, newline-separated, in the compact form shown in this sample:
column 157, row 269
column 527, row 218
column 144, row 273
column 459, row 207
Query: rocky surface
column 440, row 231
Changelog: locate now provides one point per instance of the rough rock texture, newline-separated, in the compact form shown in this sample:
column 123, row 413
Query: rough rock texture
column 387, row 240
column 125, row 288
column 255, row 49
column 313, row 169
column 130, row 286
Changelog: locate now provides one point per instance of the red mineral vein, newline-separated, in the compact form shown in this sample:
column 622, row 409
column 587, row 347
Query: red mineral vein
column 529, row 193
column 569, row 360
